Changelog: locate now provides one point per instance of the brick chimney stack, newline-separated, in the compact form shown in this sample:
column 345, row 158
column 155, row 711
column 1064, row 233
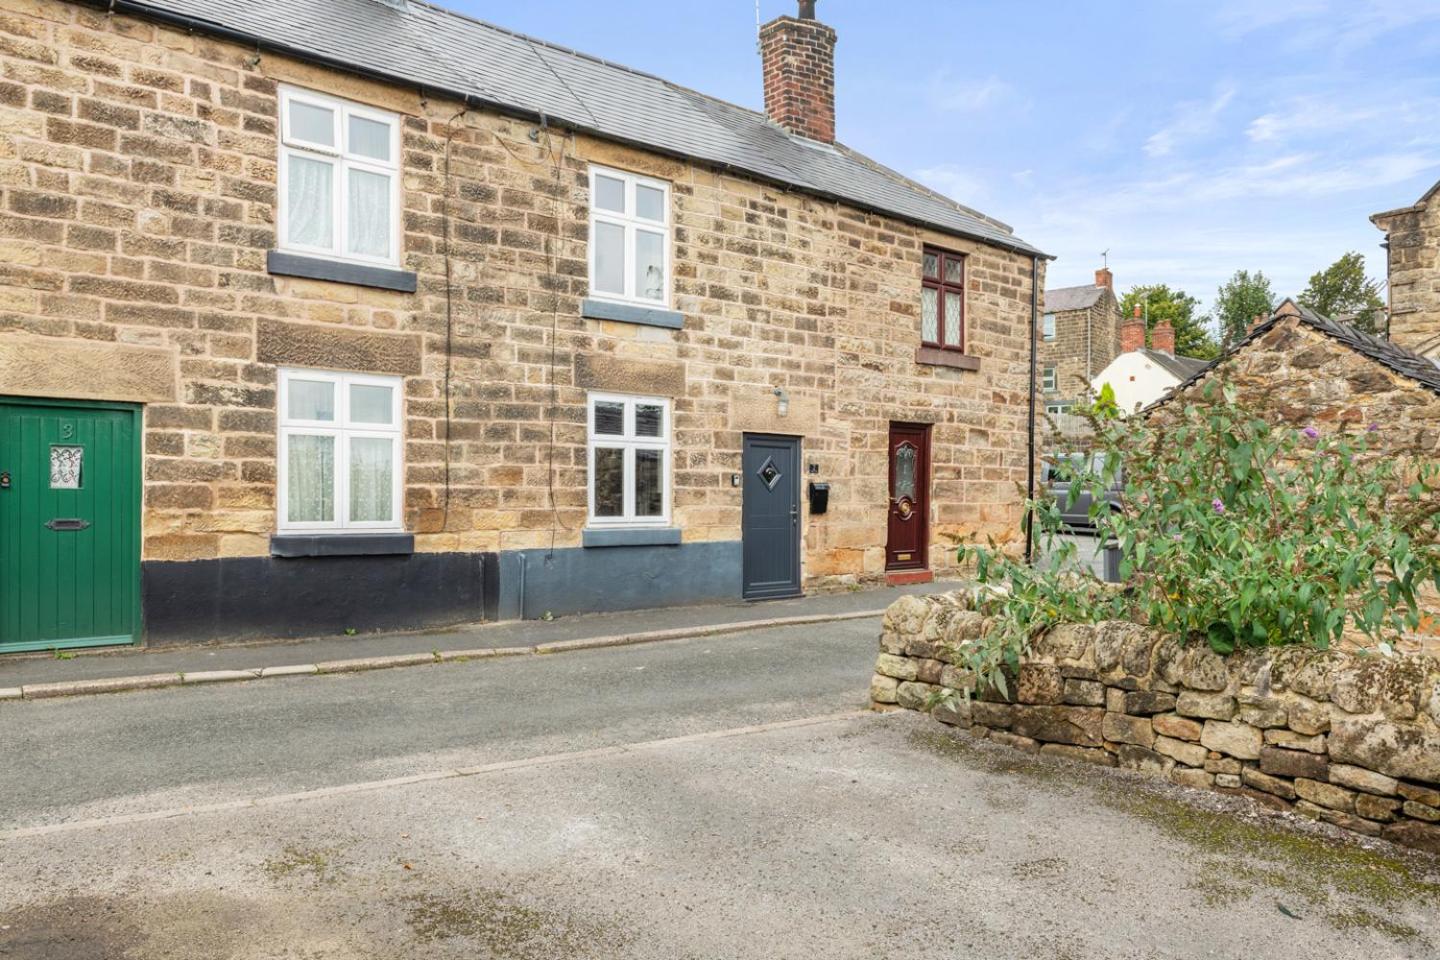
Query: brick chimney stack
column 1132, row 332
column 1162, row 338
column 1104, row 278
column 798, row 57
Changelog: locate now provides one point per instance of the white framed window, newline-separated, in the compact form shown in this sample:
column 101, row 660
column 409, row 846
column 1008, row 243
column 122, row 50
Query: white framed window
column 629, row 460
column 1049, row 381
column 1048, row 329
column 339, row 179
column 629, row 238
column 1056, row 409
column 340, row 462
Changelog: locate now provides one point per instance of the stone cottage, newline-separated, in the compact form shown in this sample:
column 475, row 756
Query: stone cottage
column 363, row 314
column 1412, row 246
column 1080, row 335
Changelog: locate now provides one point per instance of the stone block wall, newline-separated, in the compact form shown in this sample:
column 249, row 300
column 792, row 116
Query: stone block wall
column 1413, row 235
column 1351, row 740
column 137, row 206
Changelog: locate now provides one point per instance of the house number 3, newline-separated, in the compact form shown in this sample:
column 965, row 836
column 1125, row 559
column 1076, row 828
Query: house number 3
column 67, row 430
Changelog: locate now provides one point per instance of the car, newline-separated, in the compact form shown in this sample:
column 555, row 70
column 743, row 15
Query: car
column 1056, row 477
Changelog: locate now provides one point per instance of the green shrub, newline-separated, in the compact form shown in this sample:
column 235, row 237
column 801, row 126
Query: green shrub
column 1234, row 530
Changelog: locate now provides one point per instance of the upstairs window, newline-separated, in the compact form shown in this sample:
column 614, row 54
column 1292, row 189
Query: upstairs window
column 942, row 300
column 339, row 189
column 340, row 452
column 1049, row 327
column 1049, row 381
column 629, row 460
column 629, row 238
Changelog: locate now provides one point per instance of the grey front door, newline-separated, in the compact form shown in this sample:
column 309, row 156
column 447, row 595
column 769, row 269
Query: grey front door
column 771, row 516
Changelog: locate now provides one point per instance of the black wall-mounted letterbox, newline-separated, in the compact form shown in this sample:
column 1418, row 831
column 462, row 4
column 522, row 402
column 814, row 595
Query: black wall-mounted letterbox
column 819, row 497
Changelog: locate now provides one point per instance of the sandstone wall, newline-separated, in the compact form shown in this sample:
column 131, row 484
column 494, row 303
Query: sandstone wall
column 137, row 205
column 1351, row 740
column 1414, row 266
column 1085, row 342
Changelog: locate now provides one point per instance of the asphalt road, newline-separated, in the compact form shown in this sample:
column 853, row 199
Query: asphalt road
column 719, row 798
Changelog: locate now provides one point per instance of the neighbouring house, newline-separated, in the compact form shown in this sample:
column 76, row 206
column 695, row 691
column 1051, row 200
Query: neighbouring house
column 1079, row 336
column 1140, row 374
column 1412, row 247
column 363, row 314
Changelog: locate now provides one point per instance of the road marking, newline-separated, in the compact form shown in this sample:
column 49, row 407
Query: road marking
column 500, row 766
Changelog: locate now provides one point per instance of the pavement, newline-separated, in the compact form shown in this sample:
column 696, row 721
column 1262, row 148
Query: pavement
column 717, row 797
column 20, row 670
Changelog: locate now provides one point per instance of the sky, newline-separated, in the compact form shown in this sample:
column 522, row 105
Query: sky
column 1189, row 138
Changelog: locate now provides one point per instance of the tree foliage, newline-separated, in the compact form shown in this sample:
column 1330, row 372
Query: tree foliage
column 1233, row 531
column 1342, row 292
column 1159, row 302
column 1239, row 300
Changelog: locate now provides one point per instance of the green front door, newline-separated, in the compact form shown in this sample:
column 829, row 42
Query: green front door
column 69, row 524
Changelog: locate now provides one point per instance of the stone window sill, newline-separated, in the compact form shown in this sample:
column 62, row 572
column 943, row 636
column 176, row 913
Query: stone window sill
column 592, row 309
column 341, row 544
column 936, row 357
column 631, row 537
column 338, row 271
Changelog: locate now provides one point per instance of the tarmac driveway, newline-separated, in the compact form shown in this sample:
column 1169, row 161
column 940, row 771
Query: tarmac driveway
column 605, row 819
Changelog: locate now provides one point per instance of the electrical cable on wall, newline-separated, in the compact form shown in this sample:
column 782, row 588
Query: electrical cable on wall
column 552, row 251
column 449, row 298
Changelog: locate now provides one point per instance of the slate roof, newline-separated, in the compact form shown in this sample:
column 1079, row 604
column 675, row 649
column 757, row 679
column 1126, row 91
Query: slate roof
column 1181, row 367
column 1391, row 355
column 416, row 43
column 1062, row 299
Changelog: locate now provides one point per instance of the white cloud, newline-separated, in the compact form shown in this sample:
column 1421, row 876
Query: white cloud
column 1341, row 27
column 1193, row 120
column 969, row 95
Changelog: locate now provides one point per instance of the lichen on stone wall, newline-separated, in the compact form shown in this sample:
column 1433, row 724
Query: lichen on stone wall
column 1345, row 738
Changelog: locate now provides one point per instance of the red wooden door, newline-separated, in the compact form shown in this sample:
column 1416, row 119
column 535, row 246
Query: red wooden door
column 907, row 544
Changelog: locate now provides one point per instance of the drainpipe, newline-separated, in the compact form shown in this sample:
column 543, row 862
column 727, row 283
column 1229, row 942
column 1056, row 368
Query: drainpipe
column 523, row 565
column 1030, row 433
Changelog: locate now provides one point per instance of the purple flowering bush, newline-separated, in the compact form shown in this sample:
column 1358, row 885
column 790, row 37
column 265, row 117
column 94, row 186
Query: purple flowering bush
column 1235, row 531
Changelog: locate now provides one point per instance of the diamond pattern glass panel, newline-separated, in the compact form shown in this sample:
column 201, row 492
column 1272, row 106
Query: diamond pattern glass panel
column 930, row 315
column 954, row 270
column 954, row 312
column 932, row 265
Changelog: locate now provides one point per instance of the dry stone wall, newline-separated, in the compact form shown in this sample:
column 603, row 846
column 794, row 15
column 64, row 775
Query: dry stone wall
column 1348, row 739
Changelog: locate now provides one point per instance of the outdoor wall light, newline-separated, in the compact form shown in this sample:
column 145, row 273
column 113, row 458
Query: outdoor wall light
column 784, row 402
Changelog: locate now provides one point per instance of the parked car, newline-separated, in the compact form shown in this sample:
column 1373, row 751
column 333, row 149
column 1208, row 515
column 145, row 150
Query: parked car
column 1057, row 472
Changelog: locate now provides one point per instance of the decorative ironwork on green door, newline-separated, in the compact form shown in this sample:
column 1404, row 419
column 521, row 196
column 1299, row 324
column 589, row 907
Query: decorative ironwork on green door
column 69, row 524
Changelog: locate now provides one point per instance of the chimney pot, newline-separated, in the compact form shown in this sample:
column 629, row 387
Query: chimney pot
column 798, row 58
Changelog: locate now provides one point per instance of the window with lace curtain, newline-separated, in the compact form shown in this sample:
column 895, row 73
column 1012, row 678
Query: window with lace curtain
column 341, row 447
column 339, row 179
column 629, row 238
